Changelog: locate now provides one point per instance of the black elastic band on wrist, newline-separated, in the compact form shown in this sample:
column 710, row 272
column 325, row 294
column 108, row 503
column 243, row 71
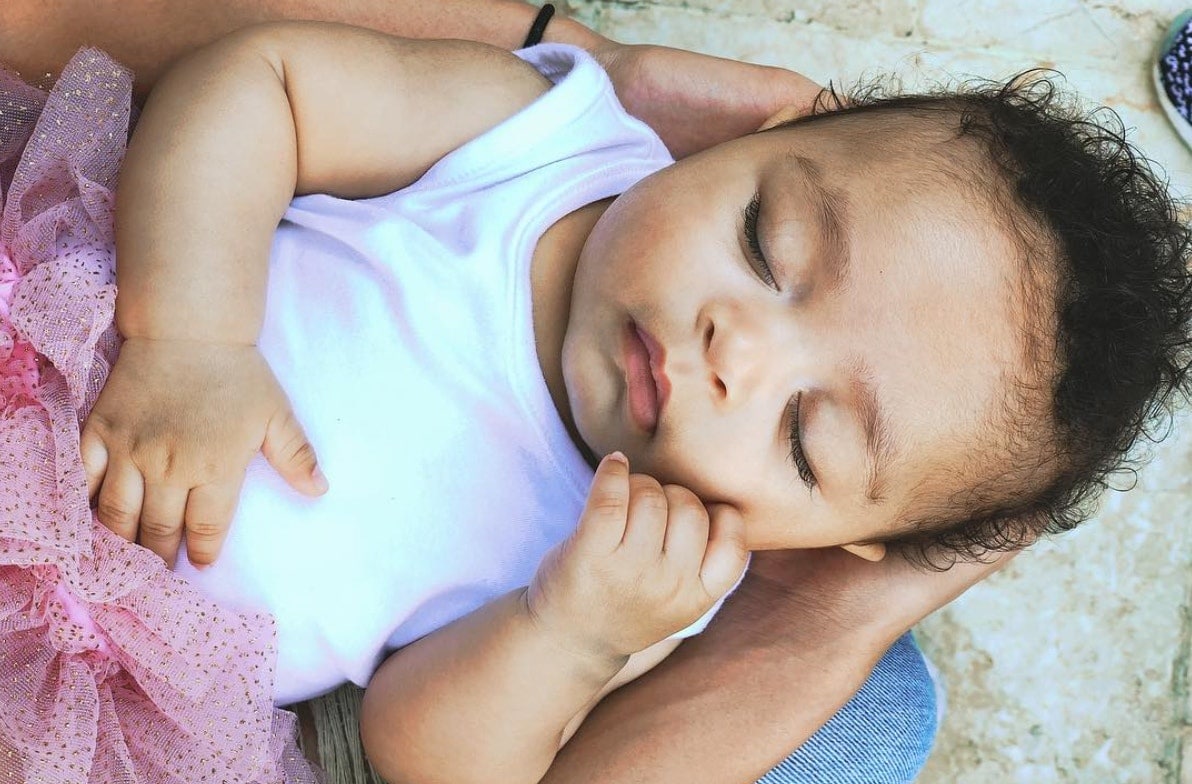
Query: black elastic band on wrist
column 539, row 26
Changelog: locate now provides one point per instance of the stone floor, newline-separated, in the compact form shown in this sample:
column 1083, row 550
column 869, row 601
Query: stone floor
column 1072, row 665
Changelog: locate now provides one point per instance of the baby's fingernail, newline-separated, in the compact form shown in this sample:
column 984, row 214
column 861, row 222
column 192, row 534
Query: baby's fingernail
column 618, row 456
column 320, row 479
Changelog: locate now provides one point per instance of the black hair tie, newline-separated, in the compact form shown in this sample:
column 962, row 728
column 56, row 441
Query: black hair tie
column 539, row 26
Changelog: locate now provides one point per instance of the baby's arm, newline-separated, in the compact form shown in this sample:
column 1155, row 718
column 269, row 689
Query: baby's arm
column 234, row 131
column 509, row 682
column 224, row 143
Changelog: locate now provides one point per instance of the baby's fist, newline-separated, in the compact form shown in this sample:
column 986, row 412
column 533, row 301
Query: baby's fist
column 645, row 561
column 166, row 446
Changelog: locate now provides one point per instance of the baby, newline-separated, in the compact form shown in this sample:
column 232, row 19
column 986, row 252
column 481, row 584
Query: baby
column 935, row 323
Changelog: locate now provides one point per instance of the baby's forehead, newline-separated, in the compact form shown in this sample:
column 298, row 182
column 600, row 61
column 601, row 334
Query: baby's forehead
column 913, row 196
column 896, row 148
column 917, row 172
column 946, row 307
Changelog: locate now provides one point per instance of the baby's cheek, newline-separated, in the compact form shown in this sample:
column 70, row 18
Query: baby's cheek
column 704, row 473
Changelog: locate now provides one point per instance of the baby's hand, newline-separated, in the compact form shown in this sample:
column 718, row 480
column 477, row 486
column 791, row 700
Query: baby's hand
column 646, row 561
column 170, row 437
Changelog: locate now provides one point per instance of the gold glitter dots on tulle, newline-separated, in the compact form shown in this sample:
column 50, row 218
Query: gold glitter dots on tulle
column 112, row 668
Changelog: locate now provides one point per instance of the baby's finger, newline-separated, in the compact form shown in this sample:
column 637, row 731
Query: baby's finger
column 119, row 506
column 646, row 523
column 602, row 523
column 209, row 517
column 164, row 510
column 95, row 459
column 686, row 528
column 726, row 556
column 289, row 451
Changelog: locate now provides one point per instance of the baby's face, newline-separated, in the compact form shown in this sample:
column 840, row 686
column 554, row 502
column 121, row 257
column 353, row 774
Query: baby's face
column 830, row 406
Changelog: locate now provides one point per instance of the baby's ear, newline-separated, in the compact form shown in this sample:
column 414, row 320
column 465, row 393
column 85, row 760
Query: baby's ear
column 785, row 114
column 870, row 552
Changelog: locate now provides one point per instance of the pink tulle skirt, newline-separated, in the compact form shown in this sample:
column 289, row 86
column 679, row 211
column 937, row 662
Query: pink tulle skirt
column 113, row 670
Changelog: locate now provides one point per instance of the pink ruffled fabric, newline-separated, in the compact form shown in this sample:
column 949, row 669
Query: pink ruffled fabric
column 113, row 670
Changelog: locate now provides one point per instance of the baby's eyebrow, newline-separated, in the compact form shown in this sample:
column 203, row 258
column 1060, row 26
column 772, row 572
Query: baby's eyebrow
column 832, row 209
column 879, row 449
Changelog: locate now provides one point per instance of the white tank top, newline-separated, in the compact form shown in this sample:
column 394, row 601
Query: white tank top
column 400, row 327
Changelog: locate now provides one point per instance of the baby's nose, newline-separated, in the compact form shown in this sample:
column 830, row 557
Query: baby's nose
column 741, row 352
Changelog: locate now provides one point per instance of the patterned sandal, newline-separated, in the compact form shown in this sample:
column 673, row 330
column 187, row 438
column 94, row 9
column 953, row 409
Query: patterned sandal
column 1173, row 75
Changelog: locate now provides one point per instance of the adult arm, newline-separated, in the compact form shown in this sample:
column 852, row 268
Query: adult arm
column 692, row 100
column 791, row 645
column 148, row 35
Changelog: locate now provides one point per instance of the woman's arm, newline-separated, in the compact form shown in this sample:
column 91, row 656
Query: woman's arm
column 148, row 35
column 691, row 100
column 793, row 642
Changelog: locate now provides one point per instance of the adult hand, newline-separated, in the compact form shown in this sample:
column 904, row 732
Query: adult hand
column 877, row 601
column 695, row 101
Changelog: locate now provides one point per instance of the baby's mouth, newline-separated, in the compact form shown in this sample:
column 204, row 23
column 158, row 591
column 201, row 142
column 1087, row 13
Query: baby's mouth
column 646, row 384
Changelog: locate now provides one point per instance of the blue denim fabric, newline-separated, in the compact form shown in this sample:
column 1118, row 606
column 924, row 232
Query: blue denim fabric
column 882, row 736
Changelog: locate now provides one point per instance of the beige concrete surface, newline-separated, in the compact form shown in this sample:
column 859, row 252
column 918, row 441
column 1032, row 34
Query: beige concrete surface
column 1071, row 666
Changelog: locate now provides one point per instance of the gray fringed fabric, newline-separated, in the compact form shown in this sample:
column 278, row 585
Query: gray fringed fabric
column 337, row 724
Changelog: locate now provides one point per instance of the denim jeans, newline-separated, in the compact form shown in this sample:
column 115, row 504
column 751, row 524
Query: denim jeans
column 882, row 736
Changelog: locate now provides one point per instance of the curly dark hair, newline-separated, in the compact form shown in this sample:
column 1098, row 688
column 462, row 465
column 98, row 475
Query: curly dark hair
column 1118, row 345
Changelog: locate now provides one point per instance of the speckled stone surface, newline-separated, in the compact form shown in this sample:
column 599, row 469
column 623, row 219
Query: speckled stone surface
column 1072, row 664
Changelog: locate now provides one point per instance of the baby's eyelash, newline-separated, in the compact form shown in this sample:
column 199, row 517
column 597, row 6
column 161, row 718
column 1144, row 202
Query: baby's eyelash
column 757, row 258
column 797, row 456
